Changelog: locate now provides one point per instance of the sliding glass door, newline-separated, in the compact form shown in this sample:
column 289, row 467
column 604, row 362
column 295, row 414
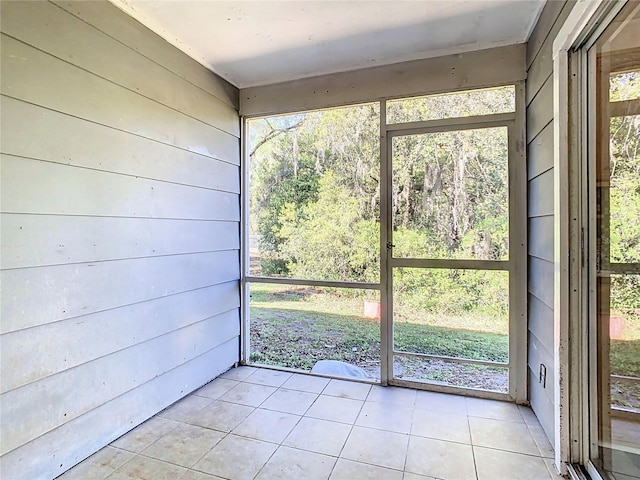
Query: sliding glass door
column 614, row 192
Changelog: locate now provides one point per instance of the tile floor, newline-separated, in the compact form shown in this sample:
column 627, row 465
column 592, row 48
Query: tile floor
column 264, row 424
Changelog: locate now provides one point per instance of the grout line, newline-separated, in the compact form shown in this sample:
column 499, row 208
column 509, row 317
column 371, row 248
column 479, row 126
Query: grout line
column 337, row 457
column 409, row 435
column 511, row 452
column 473, row 449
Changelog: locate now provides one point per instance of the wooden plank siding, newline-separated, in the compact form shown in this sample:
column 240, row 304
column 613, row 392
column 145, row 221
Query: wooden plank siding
column 120, row 226
column 462, row 71
column 128, row 31
column 53, row 30
column 540, row 198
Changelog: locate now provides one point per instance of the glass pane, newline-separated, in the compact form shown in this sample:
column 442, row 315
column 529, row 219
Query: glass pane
column 452, row 313
column 617, row 329
column 619, row 372
column 624, row 86
column 297, row 327
column 446, row 372
column 624, row 339
column 450, row 195
column 450, row 105
column 624, row 190
column 314, row 195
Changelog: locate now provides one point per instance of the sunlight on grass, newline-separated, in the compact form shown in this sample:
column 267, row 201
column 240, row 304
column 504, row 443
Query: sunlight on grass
column 294, row 327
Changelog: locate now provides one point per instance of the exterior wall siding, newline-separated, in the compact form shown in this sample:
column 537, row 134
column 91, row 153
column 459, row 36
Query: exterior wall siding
column 120, row 225
column 540, row 208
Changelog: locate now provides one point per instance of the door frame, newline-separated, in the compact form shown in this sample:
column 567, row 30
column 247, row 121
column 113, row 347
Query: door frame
column 574, row 296
column 516, row 265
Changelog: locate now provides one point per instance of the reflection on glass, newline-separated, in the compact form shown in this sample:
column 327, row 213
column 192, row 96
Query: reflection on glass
column 617, row 57
column 296, row 327
column 451, row 105
column 450, row 195
column 624, row 86
column 619, row 372
column 314, row 195
column 453, row 313
column 624, row 189
column 450, row 373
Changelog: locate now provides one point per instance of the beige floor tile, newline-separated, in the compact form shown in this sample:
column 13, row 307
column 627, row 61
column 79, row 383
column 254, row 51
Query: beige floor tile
column 440, row 459
column 528, row 416
column 494, row 409
column 290, row 401
column 376, row 447
column 382, row 416
column 185, row 409
column 306, row 383
column 216, row 388
column 441, row 425
column 441, row 402
column 350, row 470
column 321, row 436
column 272, row 378
column 347, row 389
column 236, row 458
column 248, row 394
column 415, row 476
column 193, row 475
column 509, row 436
column 144, row 435
column 335, row 409
column 222, row 416
column 622, row 476
column 289, row 463
column 184, row 445
column 239, row 373
column 405, row 397
column 99, row 465
column 267, row 425
column 144, row 468
column 500, row 465
column 541, row 440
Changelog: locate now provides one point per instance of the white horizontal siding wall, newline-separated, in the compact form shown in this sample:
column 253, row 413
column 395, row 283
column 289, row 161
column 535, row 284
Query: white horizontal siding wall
column 540, row 208
column 120, row 230
column 432, row 75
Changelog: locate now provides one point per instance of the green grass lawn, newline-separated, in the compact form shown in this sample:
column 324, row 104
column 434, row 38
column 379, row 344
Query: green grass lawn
column 297, row 326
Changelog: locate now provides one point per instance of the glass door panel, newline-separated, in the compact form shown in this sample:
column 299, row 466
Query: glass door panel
column 450, row 257
column 616, row 186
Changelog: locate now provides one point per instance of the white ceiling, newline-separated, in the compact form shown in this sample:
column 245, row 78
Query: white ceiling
column 253, row 43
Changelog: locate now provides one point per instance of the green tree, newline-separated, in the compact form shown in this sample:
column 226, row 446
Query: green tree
column 323, row 243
